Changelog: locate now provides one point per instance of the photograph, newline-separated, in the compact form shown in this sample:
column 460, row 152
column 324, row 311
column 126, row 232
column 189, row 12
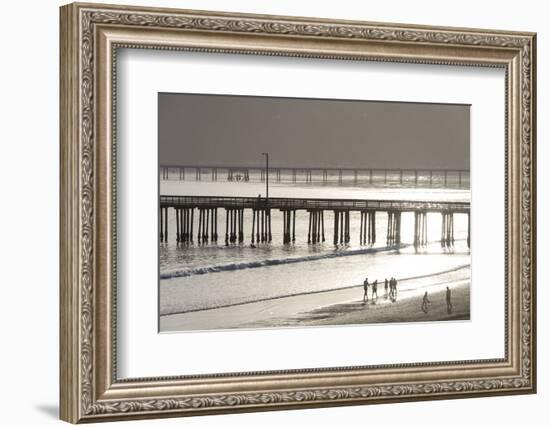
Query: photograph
column 271, row 209
column 282, row 212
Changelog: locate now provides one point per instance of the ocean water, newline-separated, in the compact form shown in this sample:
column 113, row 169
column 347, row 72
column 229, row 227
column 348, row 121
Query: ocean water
column 197, row 277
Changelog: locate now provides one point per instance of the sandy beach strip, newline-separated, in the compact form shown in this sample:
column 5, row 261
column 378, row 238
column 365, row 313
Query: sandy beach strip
column 337, row 307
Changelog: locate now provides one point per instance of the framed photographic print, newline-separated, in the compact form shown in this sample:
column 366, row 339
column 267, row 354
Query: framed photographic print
column 263, row 212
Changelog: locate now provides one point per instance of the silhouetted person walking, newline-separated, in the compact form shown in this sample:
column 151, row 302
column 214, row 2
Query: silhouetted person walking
column 386, row 284
column 366, row 290
column 449, row 301
column 375, row 289
column 425, row 302
column 393, row 289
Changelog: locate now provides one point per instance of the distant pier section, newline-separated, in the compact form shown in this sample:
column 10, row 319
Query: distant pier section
column 445, row 178
column 210, row 210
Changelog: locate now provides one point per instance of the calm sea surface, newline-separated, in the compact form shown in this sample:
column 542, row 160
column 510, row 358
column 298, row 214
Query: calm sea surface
column 195, row 277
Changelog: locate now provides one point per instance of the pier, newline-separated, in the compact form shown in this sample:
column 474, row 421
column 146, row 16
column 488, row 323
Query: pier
column 446, row 178
column 206, row 208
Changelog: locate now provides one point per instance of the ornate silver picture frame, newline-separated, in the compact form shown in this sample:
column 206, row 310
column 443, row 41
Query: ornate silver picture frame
column 91, row 37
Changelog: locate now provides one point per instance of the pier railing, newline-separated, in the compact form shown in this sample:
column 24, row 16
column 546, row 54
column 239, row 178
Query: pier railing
column 452, row 178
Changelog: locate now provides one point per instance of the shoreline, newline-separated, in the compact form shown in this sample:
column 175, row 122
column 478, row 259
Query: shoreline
column 342, row 306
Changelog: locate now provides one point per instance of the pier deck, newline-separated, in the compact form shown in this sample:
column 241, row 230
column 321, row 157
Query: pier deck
column 283, row 203
column 261, row 208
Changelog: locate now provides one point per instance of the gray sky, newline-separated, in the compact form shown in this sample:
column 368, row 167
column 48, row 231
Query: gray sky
column 235, row 130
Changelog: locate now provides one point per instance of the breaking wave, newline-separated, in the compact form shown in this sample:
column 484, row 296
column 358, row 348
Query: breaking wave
column 267, row 263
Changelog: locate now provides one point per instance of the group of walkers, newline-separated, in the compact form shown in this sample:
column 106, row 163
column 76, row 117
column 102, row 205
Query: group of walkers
column 390, row 289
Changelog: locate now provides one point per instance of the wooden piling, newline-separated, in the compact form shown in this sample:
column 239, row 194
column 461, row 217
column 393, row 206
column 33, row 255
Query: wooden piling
column 253, row 224
column 177, row 225
column 447, row 229
column 448, row 234
column 262, row 230
column 415, row 238
column 235, row 225
column 367, row 228
column 182, row 224
column 361, row 222
column 452, row 229
column 286, row 237
column 393, row 234
column 241, row 225
column 373, row 224
column 448, row 240
column 293, row 237
column 317, row 226
column 388, row 230
column 425, row 229
column 199, row 228
column 269, row 235
column 398, row 228
column 226, row 226
column 216, row 224
column 323, row 225
column 191, row 223
column 420, row 229
column 309, row 229
column 211, row 223
column 443, row 228
column 347, row 227
column 186, row 224
column 264, row 225
column 340, row 228
column 336, row 215
column 288, row 226
column 257, row 226
column 206, row 225
column 285, row 227
column 319, row 237
column 166, row 224
column 313, row 215
column 294, row 225
column 161, row 225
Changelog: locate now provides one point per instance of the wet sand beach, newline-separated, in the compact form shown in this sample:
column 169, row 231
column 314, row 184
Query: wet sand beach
column 338, row 307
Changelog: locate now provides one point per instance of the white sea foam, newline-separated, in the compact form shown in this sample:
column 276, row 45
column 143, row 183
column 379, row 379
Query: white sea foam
column 265, row 263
